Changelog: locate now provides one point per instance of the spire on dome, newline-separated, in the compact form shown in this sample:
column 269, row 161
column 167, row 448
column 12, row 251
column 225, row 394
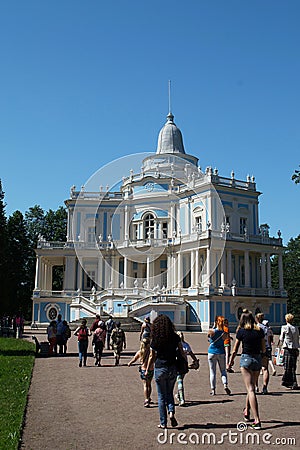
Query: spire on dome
column 170, row 137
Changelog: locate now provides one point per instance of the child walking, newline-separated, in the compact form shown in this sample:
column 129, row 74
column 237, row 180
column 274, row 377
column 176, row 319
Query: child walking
column 143, row 355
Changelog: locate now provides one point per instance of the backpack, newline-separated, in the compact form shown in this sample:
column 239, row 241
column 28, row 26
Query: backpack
column 82, row 334
column 67, row 332
column 117, row 336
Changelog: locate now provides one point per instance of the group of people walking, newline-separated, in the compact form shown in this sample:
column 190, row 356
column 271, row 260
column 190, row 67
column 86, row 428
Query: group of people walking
column 109, row 333
column 253, row 335
column 163, row 356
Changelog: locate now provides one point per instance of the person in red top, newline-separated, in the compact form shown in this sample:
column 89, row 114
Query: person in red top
column 99, row 342
column 227, row 345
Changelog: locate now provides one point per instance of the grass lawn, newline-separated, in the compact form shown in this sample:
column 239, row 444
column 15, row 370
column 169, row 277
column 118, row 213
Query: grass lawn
column 16, row 364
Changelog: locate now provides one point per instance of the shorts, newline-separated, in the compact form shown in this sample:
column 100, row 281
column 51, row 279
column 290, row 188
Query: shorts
column 265, row 362
column 149, row 375
column 251, row 362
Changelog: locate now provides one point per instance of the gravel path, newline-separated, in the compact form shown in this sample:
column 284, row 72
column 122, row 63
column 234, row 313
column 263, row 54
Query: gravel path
column 102, row 407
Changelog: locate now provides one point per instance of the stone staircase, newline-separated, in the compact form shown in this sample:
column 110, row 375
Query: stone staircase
column 127, row 323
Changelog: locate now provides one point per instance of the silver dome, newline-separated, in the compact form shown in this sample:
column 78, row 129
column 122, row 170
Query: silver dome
column 170, row 138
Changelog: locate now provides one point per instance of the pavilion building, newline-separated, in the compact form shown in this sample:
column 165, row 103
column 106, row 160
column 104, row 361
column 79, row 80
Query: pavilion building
column 170, row 239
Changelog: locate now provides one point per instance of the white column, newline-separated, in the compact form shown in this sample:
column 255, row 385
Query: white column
column 280, row 271
column 207, row 279
column 197, row 268
column 126, row 272
column 269, row 278
column 247, row 268
column 69, row 275
column 263, row 270
column 179, row 270
column 100, row 268
column 193, row 283
column 48, row 277
column 172, row 220
column 223, row 270
column 170, row 279
column 229, row 267
column 126, row 224
column 37, row 272
column 79, row 276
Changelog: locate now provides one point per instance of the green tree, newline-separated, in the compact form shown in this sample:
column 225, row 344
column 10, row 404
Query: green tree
column 35, row 224
column 291, row 276
column 296, row 176
column 20, row 282
column 4, row 301
column 55, row 225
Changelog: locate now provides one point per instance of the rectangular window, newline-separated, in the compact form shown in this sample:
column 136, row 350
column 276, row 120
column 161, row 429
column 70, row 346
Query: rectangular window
column 165, row 230
column 135, row 232
column 90, row 279
column 91, row 235
column 199, row 224
column 243, row 225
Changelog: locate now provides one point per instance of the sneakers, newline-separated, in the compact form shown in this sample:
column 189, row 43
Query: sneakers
column 173, row 421
column 256, row 426
column 212, row 392
column 182, row 403
column 246, row 416
column 227, row 390
column 257, row 389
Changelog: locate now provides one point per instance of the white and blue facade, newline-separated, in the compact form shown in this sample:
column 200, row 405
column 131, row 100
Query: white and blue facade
column 171, row 239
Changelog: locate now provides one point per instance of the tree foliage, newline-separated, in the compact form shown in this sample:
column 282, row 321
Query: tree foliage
column 296, row 176
column 3, row 253
column 18, row 240
column 291, row 276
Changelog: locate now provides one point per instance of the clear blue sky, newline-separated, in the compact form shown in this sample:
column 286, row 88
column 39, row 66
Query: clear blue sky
column 85, row 82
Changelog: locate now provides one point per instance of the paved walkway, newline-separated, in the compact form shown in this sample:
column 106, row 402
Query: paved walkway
column 102, row 407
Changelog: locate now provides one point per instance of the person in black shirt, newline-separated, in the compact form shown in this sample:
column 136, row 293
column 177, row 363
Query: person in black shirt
column 253, row 343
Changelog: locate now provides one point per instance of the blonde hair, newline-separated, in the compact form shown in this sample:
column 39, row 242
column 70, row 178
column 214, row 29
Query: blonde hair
column 247, row 322
column 289, row 318
column 144, row 349
column 260, row 317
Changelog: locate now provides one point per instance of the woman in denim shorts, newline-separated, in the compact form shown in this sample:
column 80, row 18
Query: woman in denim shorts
column 253, row 347
column 143, row 355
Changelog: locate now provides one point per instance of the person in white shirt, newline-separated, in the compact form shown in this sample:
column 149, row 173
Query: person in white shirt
column 289, row 339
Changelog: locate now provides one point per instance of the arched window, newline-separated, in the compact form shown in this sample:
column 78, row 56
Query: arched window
column 148, row 226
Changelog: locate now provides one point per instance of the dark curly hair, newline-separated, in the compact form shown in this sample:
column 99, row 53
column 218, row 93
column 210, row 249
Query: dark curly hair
column 162, row 329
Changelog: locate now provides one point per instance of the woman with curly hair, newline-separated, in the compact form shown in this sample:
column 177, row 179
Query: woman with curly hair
column 164, row 343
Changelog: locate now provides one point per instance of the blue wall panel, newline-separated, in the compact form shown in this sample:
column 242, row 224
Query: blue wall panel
column 170, row 314
column 219, row 309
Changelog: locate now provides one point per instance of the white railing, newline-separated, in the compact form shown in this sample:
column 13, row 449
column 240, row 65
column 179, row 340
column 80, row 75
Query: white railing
column 156, row 299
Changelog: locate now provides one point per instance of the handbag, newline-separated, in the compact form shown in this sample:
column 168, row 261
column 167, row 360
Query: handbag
column 181, row 363
column 278, row 356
